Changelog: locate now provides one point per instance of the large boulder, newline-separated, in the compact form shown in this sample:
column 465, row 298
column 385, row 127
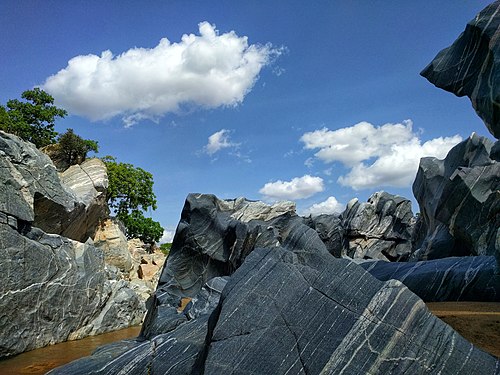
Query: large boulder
column 53, row 289
column 89, row 182
column 471, row 66
column 33, row 192
column 448, row 279
column 214, row 236
column 459, row 199
column 283, row 312
column 381, row 228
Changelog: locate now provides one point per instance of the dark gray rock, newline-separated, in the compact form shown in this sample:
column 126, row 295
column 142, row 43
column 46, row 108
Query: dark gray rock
column 214, row 236
column 471, row 66
column 449, row 279
column 175, row 352
column 380, row 228
column 33, row 192
column 331, row 232
column 459, row 199
column 53, row 289
column 329, row 318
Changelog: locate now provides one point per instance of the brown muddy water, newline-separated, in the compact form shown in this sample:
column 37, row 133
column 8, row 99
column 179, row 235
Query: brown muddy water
column 478, row 322
column 39, row 361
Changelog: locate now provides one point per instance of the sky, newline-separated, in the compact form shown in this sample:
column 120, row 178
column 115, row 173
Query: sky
column 316, row 102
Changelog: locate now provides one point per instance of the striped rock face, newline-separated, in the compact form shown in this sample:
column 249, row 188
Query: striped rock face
column 471, row 66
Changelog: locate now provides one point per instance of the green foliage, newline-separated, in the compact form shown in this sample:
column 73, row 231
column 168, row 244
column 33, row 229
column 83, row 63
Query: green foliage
column 165, row 248
column 138, row 226
column 73, row 149
column 130, row 191
column 32, row 119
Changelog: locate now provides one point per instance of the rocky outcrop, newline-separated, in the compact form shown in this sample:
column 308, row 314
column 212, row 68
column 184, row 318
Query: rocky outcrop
column 459, row 199
column 33, row 192
column 471, row 66
column 380, row 228
column 472, row 278
column 53, row 289
column 211, row 241
column 292, row 309
column 110, row 238
column 89, row 182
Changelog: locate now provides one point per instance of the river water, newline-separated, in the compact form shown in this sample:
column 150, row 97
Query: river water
column 39, row 361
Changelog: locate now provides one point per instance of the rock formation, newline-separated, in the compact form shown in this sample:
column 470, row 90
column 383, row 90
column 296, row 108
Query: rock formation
column 380, row 228
column 33, row 191
column 471, row 66
column 110, row 238
column 54, row 288
column 459, row 199
column 289, row 307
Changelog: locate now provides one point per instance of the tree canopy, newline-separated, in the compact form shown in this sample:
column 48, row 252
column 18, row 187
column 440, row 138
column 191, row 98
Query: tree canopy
column 130, row 193
column 73, row 149
column 33, row 119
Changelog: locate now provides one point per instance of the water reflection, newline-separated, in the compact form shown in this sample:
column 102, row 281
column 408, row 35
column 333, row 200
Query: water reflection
column 39, row 361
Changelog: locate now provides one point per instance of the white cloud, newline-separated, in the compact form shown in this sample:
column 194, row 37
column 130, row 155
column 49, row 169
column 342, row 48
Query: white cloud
column 218, row 141
column 206, row 70
column 298, row 188
column 168, row 236
column 329, row 206
column 376, row 156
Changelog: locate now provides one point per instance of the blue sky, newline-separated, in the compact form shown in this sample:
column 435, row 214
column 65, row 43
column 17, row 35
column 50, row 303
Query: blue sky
column 318, row 102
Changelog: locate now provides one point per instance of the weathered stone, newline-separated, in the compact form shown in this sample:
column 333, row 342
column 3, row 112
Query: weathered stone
column 31, row 183
column 211, row 242
column 459, row 199
column 288, row 308
column 34, row 193
column 53, row 289
column 449, row 279
column 331, row 232
column 471, row 66
column 328, row 318
column 380, row 228
column 148, row 271
column 89, row 182
column 110, row 238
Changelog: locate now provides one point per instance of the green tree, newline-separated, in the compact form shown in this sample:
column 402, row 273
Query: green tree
column 129, row 194
column 33, row 119
column 73, row 149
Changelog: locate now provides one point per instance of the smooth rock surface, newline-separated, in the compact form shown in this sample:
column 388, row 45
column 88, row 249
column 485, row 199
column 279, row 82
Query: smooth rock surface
column 53, row 289
column 89, row 182
column 471, row 66
column 472, row 278
column 459, row 199
column 329, row 317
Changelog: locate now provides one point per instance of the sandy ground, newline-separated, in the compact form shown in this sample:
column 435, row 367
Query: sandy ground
column 478, row 322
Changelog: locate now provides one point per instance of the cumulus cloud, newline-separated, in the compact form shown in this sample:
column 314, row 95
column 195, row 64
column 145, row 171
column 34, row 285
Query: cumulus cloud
column 168, row 236
column 298, row 188
column 208, row 70
column 376, row 156
column 218, row 141
column 329, row 206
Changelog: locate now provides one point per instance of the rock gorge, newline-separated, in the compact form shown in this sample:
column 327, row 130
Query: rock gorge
column 268, row 291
